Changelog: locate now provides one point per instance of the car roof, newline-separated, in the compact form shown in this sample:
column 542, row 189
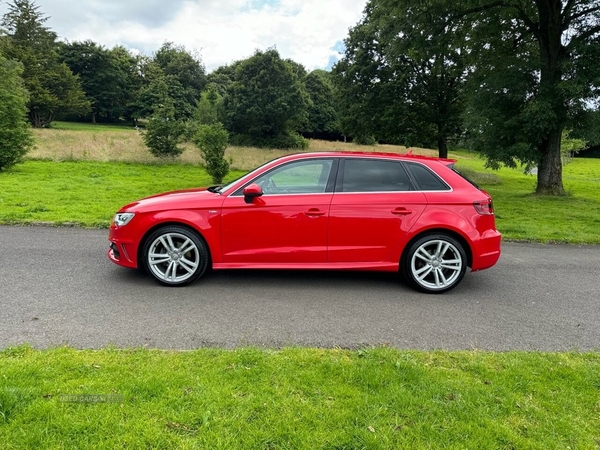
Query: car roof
column 352, row 154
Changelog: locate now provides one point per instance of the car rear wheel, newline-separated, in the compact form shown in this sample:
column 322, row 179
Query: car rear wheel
column 435, row 263
column 175, row 256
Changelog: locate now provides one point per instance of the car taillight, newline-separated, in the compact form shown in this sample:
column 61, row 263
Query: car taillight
column 484, row 207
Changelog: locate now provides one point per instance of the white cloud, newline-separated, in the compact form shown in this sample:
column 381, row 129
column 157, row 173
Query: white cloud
column 222, row 31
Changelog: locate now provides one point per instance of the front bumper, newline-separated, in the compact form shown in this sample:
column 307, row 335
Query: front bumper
column 121, row 251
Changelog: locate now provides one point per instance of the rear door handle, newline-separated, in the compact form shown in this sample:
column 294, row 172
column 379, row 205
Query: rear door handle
column 400, row 211
column 314, row 212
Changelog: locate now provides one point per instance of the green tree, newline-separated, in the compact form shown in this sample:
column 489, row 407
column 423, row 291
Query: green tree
column 223, row 77
column 15, row 133
column 402, row 75
column 570, row 146
column 185, row 75
column 149, row 94
column 323, row 121
column 210, row 107
column 267, row 103
column 536, row 76
column 163, row 132
column 52, row 86
column 212, row 140
column 105, row 75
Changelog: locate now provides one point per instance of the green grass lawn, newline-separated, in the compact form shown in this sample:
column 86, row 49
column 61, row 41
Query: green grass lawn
column 295, row 398
column 522, row 215
column 84, row 126
column 298, row 399
column 88, row 193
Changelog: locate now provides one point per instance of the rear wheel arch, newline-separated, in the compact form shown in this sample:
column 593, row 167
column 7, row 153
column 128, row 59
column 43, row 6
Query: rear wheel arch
column 434, row 261
column 454, row 234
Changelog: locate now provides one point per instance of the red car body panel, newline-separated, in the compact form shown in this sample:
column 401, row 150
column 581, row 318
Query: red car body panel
column 330, row 230
column 275, row 229
column 368, row 227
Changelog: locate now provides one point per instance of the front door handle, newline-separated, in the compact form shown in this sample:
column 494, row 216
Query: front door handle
column 401, row 211
column 314, row 212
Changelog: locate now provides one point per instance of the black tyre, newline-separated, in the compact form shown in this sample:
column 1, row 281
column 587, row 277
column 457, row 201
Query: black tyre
column 435, row 263
column 175, row 255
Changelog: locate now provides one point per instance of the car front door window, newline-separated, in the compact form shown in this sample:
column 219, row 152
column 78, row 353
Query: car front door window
column 303, row 177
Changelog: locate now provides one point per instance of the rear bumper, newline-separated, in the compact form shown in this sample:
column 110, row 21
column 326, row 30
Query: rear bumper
column 486, row 251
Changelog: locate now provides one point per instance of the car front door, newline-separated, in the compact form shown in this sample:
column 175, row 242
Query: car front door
column 287, row 223
column 373, row 208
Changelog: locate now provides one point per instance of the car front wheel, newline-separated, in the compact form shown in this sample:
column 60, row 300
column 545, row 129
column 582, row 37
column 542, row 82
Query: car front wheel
column 435, row 263
column 175, row 256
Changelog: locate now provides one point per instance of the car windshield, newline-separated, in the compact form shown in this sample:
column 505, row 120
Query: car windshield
column 224, row 187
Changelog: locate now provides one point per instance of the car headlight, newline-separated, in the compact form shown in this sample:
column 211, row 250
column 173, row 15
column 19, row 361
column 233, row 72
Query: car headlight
column 122, row 219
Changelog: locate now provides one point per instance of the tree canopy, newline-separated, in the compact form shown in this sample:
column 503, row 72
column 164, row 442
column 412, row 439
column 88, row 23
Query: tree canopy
column 185, row 75
column 323, row 121
column 536, row 75
column 267, row 102
column 53, row 88
column 509, row 75
column 15, row 133
column 105, row 76
column 402, row 75
column 509, row 78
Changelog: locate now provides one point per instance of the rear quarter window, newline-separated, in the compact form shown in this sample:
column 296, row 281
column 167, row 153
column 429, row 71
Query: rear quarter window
column 466, row 178
column 425, row 178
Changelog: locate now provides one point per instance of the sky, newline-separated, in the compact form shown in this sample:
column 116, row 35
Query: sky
column 310, row 32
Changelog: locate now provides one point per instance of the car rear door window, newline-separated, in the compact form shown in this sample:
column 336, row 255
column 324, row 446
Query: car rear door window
column 371, row 175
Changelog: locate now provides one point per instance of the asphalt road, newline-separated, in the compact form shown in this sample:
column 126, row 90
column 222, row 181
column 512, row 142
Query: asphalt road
column 57, row 287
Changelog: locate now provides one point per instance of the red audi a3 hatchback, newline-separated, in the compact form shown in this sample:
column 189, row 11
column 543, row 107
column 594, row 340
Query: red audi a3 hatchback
column 339, row 210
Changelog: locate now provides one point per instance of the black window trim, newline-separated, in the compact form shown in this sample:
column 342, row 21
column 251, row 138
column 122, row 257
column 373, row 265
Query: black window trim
column 340, row 179
column 466, row 178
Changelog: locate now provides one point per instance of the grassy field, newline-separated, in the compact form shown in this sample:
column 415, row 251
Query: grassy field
column 82, row 189
column 85, row 126
column 522, row 215
column 377, row 398
column 86, row 193
column 298, row 399
column 85, row 142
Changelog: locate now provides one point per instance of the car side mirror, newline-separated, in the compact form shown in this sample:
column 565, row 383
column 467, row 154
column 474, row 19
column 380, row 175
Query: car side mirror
column 251, row 192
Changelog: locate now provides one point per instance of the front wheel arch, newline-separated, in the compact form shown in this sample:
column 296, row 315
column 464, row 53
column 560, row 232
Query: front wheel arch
column 140, row 253
column 174, row 254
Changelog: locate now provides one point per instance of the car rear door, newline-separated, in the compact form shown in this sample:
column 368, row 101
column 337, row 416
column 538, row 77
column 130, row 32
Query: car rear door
column 373, row 208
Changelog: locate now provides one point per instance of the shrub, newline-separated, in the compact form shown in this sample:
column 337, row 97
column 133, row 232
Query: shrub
column 163, row 133
column 364, row 140
column 289, row 140
column 212, row 140
column 281, row 141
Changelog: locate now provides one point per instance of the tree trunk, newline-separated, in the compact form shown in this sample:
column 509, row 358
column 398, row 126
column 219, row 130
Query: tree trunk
column 94, row 117
column 36, row 119
column 442, row 147
column 549, row 180
column 553, row 56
